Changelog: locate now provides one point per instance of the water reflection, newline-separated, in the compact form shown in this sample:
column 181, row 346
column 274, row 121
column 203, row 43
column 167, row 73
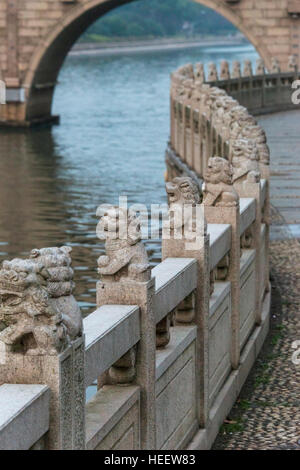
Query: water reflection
column 111, row 142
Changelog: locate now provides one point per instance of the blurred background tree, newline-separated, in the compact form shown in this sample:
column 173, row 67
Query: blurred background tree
column 158, row 19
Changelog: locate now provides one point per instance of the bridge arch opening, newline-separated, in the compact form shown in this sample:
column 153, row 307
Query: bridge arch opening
column 49, row 57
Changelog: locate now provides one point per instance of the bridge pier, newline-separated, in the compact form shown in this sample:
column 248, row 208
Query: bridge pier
column 23, row 111
column 14, row 115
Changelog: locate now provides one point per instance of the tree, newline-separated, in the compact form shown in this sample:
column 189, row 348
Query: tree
column 159, row 18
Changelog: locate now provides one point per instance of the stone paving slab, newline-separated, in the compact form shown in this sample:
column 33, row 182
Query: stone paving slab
column 284, row 192
column 283, row 132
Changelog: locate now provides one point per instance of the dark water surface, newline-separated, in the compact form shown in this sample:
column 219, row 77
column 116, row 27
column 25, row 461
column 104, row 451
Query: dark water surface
column 111, row 141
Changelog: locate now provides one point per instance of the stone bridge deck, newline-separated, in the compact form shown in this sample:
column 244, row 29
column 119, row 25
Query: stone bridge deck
column 267, row 413
column 283, row 131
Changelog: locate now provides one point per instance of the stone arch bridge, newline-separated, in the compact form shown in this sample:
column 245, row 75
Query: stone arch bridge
column 36, row 35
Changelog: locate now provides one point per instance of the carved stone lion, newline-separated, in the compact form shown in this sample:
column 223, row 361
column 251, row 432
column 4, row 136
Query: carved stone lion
column 209, row 95
column 247, row 72
column 30, row 324
column 126, row 256
column 60, row 285
column 185, row 90
column 252, row 130
column 186, row 71
column 245, row 161
column 183, row 195
column 232, row 116
column 224, row 70
column 199, row 73
column 236, row 69
column 221, row 109
column 292, row 64
column 183, row 190
column 217, row 188
column 260, row 67
column 212, row 75
column 205, row 98
column 275, row 67
column 243, row 120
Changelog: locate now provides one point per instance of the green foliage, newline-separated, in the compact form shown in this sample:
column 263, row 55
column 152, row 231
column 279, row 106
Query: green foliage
column 230, row 427
column 244, row 404
column 159, row 18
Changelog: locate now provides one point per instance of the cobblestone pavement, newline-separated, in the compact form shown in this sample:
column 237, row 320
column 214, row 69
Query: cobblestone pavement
column 267, row 413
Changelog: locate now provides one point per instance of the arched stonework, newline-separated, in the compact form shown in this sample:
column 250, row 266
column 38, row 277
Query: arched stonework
column 38, row 34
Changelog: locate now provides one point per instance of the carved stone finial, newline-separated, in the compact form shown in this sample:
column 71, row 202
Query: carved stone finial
column 275, row 67
column 260, row 67
column 221, row 108
column 224, row 70
column 183, row 190
column 251, row 130
column 245, row 161
column 292, row 64
column 241, row 121
column 212, row 73
column 236, row 69
column 233, row 115
column 218, row 187
column 126, row 256
column 185, row 90
column 30, row 323
column 183, row 195
column 247, row 72
column 186, row 71
column 60, row 285
column 199, row 73
column 57, row 261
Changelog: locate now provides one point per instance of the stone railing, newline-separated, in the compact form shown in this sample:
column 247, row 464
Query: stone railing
column 258, row 90
column 169, row 349
column 216, row 141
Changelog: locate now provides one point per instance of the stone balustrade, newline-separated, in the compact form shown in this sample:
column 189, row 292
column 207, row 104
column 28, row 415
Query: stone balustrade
column 259, row 90
column 169, row 348
column 23, row 408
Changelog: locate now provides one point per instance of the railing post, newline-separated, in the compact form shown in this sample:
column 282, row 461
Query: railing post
column 263, row 90
column 174, row 247
column 266, row 220
column 253, row 190
column 172, row 112
column 42, row 342
column 246, row 181
column 129, row 283
column 221, row 206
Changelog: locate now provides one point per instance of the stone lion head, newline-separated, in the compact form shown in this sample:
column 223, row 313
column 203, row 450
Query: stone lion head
column 218, row 170
column 23, row 292
column 183, row 190
column 244, row 149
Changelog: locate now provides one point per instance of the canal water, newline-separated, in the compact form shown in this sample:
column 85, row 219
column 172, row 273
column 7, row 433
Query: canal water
column 111, row 141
